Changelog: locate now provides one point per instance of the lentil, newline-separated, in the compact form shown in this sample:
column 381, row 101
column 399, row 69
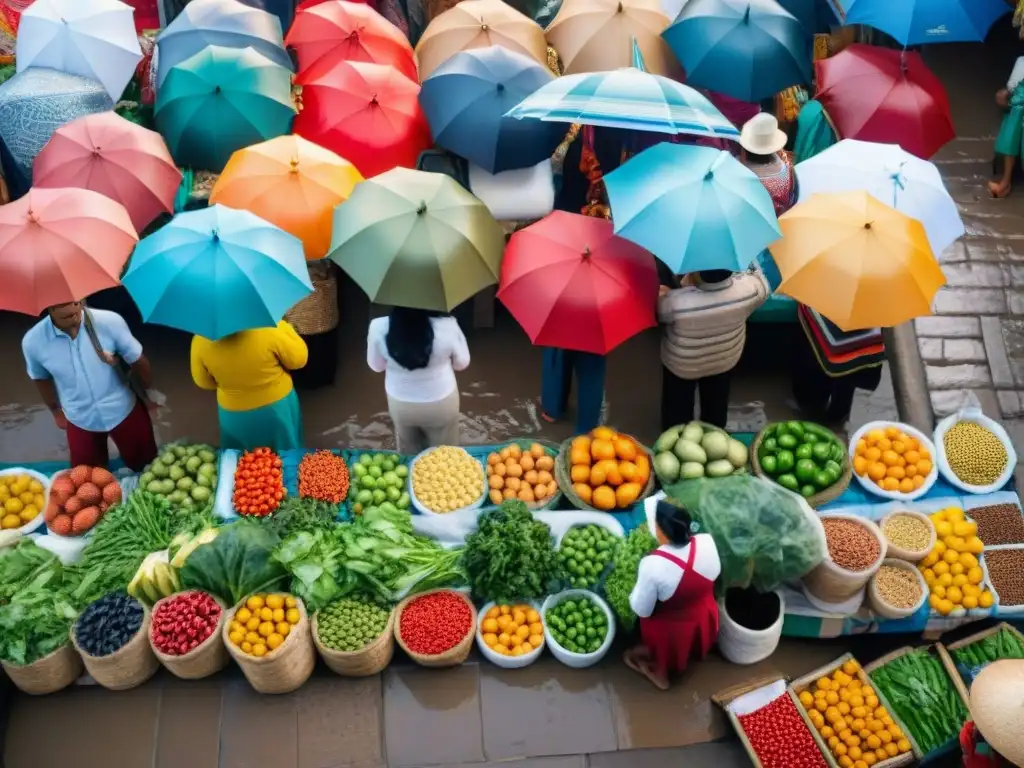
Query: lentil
column 908, row 532
column 851, row 545
column 435, row 623
column 999, row 524
column 350, row 625
column 898, row 587
column 1006, row 574
column 974, row 453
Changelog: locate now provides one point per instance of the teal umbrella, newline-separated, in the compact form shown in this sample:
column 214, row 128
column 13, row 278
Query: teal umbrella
column 221, row 100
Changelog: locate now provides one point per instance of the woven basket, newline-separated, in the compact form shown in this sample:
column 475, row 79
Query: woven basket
column 207, row 658
column 565, row 481
column 318, row 312
column 453, row 656
column 369, row 660
column 283, row 669
column 821, row 498
column 703, row 425
column 129, row 666
column 550, row 449
column 49, row 674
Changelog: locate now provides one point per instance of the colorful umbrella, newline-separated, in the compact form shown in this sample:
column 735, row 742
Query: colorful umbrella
column 572, row 284
column 368, row 113
column 466, row 99
column 885, row 96
column 693, row 207
column 60, row 245
column 349, row 31
column 292, row 183
column 915, row 22
column 857, row 261
column 909, row 184
column 417, row 239
column 115, row 157
column 220, row 100
column 478, row 24
column 217, row 271
column 747, row 49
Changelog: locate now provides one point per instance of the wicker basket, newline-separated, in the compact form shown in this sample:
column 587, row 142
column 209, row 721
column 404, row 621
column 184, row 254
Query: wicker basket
column 129, row 666
column 949, row 662
column 453, row 656
column 550, row 449
column 283, row 669
column 831, row 493
column 49, row 674
column 369, row 660
column 207, row 658
column 318, row 312
column 703, row 425
column 565, row 481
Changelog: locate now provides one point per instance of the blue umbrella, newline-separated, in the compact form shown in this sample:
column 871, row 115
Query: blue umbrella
column 465, row 101
column 693, row 207
column 217, row 271
column 912, row 22
column 747, row 49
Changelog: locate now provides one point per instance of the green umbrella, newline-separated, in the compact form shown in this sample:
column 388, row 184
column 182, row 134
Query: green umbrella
column 221, row 100
column 417, row 239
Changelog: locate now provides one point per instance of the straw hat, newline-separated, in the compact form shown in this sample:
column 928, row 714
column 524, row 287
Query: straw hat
column 761, row 135
column 997, row 706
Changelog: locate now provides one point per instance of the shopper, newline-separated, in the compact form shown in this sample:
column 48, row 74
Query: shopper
column 257, row 405
column 1010, row 140
column 83, row 363
column 705, row 329
column 992, row 738
column 558, row 368
column 419, row 351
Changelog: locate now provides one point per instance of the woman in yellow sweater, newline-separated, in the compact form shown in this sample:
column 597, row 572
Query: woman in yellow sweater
column 256, row 402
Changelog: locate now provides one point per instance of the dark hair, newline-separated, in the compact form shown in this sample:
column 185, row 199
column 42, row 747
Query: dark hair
column 757, row 159
column 674, row 522
column 714, row 275
column 410, row 338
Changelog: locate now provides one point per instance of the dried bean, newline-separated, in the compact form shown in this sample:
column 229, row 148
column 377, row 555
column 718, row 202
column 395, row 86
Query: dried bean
column 975, row 454
column 999, row 524
column 908, row 532
column 1006, row 574
column 898, row 587
column 850, row 544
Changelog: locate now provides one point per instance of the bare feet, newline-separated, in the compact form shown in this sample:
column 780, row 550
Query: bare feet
column 639, row 660
column 999, row 189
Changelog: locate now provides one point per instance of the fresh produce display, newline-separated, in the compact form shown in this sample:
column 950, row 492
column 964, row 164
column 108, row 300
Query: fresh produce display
column 323, row 476
column 108, row 624
column 908, row 532
column 183, row 623
column 578, row 625
column 351, row 624
column 379, row 478
column 299, row 514
column 79, row 498
column 851, row 545
column 1006, row 574
column 898, row 587
column 263, row 624
column 435, row 623
column 923, row 696
column 801, row 456
column 185, row 474
column 1001, row 643
column 952, row 569
column 447, row 478
column 974, row 453
column 238, row 562
column 625, row 565
column 697, row 450
column 513, row 473
column 512, row 630
column 155, row 579
column 21, row 500
column 851, row 720
column 259, row 486
column 892, row 460
column 585, row 552
column 999, row 524
column 779, row 736
column 608, row 470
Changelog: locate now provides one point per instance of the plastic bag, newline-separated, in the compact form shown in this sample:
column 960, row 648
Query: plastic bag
column 765, row 534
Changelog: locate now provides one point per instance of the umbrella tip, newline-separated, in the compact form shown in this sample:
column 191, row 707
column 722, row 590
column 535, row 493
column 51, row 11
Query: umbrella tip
column 421, row 208
column 867, row 224
column 484, row 27
column 709, row 175
column 373, row 101
column 501, row 87
column 294, row 165
column 586, row 252
column 746, row 15
column 215, row 235
column 620, row 9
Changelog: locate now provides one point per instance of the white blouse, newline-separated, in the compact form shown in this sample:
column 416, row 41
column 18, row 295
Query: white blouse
column 659, row 578
column 424, row 385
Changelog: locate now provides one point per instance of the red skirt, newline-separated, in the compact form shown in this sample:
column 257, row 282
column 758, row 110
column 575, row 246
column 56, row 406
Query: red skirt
column 678, row 637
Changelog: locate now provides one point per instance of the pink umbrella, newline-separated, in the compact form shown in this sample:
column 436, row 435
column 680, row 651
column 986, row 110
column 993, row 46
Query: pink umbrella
column 60, row 245
column 115, row 157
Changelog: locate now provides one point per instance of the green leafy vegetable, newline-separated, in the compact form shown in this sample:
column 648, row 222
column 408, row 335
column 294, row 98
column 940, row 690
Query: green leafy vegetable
column 19, row 565
column 625, row 566
column 299, row 514
column 312, row 558
column 237, row 563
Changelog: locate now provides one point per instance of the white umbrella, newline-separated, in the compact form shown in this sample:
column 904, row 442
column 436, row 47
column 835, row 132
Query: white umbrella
column 899, row 179
column 89, row 38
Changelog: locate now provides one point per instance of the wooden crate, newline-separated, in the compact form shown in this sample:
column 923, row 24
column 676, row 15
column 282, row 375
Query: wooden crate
column 949, row 662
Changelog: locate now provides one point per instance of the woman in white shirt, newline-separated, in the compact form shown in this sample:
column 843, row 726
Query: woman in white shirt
column 418, row 352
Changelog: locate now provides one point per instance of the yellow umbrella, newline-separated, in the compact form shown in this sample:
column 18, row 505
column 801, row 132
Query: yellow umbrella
column 478, row 24
column 597, row 36
column 856, row 261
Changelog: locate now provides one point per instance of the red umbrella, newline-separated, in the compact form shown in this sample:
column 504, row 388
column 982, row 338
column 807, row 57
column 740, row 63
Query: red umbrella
column 349, row 31
column 572, row 284
column 367, row 113
column 886, row 96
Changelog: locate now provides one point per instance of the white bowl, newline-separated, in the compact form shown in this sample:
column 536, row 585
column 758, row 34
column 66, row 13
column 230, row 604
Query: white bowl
column 882, row 608
column 36, row 522
column 896, row 551
column 422, row 509
column 607, row 522
column 577, row 660
column 869, row 485
column 992, row 426
column 508, row 662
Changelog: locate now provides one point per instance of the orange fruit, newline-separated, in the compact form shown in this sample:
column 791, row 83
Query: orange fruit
column 628, row 471
column 603, row 433
column 579, row 473
column 603, row 498
column 860, row 465
column 890, row 484
column 612, row 476
column 583, row 491
column 580, row 456
column 602, row 449
column 625, row 449
column 876, row 471
column 643, row 468
column 906, row 485
column 895, row 471
column 626, row 494
column 598, row 474
column 862, row 446
column 890, row 458
column 873, row 453
column 924, row 466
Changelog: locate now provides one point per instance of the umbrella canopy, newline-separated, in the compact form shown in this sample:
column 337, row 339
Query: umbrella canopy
column 349, row 31
column 368, row 113
column 60, row 245
column 856, row 261
column 693, row 207
column 885, row 96
column 115, row 157
column 220, row 100
column 417, row 239
column 465, row 101
column 914, row 22
column 572, row 284
column 478, row 24
column 217, row 271
column 909, row 184
column 225, row 23
column 747, row 49
column 292, row 183
column 596, row 35
column 94, row 39
column 815, row 15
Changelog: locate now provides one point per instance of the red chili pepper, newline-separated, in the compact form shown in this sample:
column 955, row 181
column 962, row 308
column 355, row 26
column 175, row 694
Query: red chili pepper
column 780, row 738
column 435, row 623
column 179, row 627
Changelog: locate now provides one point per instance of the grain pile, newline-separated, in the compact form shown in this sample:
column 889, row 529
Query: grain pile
column 851, row 545
column 898, row 587
column 999, row 524
column 1006, row 573
column 974, row 453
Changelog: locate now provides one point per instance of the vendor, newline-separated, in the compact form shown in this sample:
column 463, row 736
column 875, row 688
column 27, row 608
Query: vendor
column 992, row 739
column 674, row 595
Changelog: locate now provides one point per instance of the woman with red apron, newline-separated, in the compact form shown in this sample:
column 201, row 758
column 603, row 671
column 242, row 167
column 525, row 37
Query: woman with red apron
column 674, row 596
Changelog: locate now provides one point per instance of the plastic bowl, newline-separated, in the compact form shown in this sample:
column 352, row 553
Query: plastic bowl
column 882, row 608
column 899, row 553
column 36, row 522
column 608, row 523
column 508, row 662
column 992, row 426
column 422, row 509
column 570, row 659
column 869, row 485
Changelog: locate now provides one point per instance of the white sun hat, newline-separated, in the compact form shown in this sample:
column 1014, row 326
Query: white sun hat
column 997, row 706
column 761, row 135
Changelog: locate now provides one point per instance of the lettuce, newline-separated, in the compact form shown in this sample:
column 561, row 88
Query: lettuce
column 238, row 563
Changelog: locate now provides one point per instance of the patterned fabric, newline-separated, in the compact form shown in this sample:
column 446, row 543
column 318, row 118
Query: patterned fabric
column 392, row 11
column 976, row 753
column 779, row 179
column 10, row 14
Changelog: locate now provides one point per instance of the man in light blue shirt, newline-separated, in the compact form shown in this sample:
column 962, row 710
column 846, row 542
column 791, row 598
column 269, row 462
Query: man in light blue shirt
column 82, row 384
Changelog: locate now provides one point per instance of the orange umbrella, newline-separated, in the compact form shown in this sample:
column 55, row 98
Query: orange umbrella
column 597, row 36
column 292, row 183
column 856, row 261
column 478, row 24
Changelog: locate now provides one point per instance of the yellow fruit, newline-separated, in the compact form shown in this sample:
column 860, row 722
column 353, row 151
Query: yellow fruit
column 974, row 545
column 945, row 580
column 943, row 529
column 246, row 647
column 929, row 576
column 959, row 580
column 274, row 641
column 951, row 556
column 954, row 595
column 275, row 601
column 266, row 629
column 940, row 548
column 13, row 506
column 254, row 603
column 968, row 561
column 243, row 615
column 986, row 600
column 939, row 591
column 956, row 569
column 292, row 615
column 284, row 628
column 252, row 637
column 259, row 650
column 278, row 615
column 10, row 521
column 253, row 623
column 267, row 614
column 236, row 637
column 290, row 602
column 536, row 640
column 941, row 567
column 945, row 607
